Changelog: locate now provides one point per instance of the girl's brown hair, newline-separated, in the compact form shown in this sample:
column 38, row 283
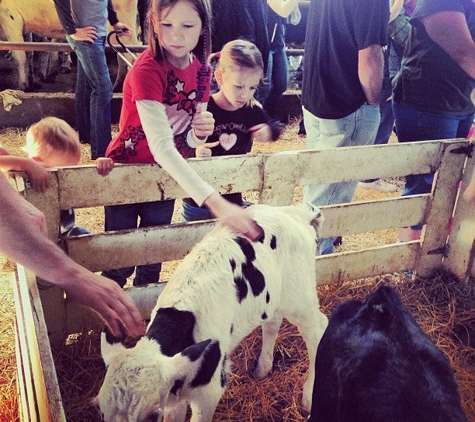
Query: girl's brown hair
column 203, row 7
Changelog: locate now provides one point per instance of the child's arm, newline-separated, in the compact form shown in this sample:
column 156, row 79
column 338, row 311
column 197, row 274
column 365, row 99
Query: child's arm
column 104, row 165
column 261, row 133
column 4, row 151
column 266, row 132
column 36, row 171
column 204, row 151
column 269, row 130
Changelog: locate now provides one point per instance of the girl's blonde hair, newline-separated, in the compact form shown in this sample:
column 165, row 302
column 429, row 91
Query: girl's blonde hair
column 51, row 136
column 203, row 7
column 239, row 54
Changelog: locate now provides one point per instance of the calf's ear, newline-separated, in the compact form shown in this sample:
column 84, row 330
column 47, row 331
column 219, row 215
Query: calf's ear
column 317, row 220
column 186, row 361
column 110, row 346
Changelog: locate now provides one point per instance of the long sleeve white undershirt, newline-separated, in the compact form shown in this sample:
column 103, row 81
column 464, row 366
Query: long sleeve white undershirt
column 160, row 140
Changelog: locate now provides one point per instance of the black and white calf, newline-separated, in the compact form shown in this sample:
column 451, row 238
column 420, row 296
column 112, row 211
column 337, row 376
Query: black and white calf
column 223, row 289
column 375, row 364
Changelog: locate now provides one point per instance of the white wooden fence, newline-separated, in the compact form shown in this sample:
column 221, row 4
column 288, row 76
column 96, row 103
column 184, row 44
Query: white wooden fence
column 274, row 177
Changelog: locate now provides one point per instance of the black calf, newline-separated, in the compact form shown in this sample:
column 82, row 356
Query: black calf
column 375, row 364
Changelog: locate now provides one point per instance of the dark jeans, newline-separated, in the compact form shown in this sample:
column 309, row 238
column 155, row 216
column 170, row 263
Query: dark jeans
column 416, row 125
column 93, row 95
column 121, row 217
column 278, row 75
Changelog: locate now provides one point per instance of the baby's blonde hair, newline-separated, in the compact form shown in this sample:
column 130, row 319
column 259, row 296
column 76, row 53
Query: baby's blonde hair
column 51, row 136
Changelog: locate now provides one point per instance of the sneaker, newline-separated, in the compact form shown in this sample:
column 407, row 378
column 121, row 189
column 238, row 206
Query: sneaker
column 379, row 185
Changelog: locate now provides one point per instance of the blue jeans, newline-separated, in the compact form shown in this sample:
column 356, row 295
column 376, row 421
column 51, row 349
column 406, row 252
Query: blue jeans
column 387, row 118
column 191, row 213
column 278, row 75
column 358, row 128
column 413, row 124
column 93, row 95
column 121, row 217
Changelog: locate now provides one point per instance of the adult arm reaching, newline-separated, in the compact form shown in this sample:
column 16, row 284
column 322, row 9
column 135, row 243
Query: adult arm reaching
column 23, row 239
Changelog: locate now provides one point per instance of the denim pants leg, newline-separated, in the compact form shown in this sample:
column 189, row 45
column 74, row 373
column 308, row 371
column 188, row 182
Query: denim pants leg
column 121, row 217
column 387, row 118
column 93, row 94
column 278, row 75
column 416, row 125
column 359, row 128
column 153, row 214
column 190, row 213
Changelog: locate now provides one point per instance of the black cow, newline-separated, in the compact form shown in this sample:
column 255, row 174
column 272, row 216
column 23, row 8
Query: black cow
column 375, row 364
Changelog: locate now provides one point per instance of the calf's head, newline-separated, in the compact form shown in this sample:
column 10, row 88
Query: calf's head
column 139, row 380
column 307, row 214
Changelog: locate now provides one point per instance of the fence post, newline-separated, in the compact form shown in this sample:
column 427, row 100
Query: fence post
column 461, row 238
column 444, row 194
column 52, row 297
column 40, row 398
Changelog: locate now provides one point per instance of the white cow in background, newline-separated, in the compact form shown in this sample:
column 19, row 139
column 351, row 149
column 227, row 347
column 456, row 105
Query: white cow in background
column 18, row 17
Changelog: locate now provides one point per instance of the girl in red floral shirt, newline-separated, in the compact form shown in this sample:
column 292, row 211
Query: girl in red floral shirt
column 164, row 108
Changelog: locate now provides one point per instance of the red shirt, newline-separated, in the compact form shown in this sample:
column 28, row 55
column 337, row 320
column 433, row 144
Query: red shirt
column 176, row 89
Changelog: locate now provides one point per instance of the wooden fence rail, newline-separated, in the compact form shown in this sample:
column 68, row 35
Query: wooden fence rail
column 54, row 46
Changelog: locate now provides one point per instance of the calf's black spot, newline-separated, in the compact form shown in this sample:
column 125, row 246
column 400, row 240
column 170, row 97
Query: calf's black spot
column 247, row 248
column 173, row 330
column 255, row 278
column 241, row 288
column 177, row 386
column 273, row 242
column 210, row 362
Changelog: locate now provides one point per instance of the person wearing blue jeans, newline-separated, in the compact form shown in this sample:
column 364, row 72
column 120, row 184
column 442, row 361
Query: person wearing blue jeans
column 433, row 91
column 85, row 23
column 417, row 125
column 385, row 127
column 277, row 64
column 342, row 81
column 93, row 94
column 358, row 128
column 120, row 217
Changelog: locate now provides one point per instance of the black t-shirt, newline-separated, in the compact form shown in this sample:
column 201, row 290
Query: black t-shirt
column 231, row 129
column 240, row 19
column 429, row 79
column 336, row 31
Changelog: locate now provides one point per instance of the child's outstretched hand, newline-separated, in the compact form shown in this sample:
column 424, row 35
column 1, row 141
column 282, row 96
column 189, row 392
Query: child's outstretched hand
column 104, row 165
column 38, row 174
column 261, row 133
column 202, row 123
column 203, row 151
